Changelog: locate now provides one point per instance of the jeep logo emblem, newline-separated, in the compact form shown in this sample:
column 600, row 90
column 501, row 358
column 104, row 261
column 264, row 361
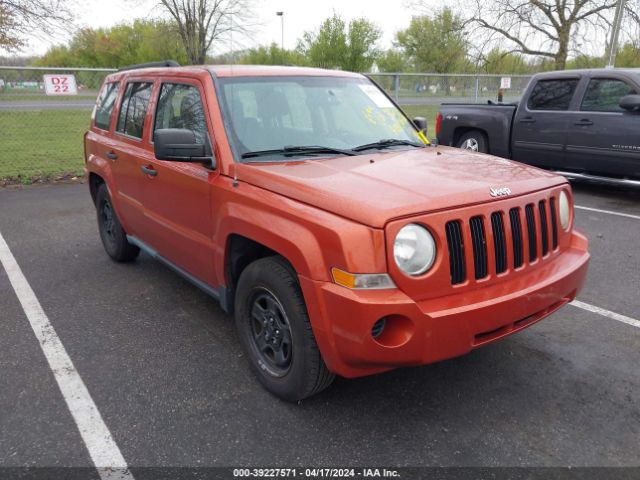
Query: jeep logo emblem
column 499, row 192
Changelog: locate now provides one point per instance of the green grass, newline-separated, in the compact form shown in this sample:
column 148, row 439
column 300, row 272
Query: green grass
column 427, row 111
column 42, row 142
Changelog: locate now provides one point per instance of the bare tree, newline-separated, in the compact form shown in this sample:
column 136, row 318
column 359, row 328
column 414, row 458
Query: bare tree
column 20, row 19
column 200, row 23
column 545, row 28
column 631, row 22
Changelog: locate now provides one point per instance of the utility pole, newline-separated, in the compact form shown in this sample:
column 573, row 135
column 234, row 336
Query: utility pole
column 281, row 15
column 615, row 33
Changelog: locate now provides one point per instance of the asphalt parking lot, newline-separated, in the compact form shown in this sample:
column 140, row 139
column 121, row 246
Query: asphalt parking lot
column 162, row 363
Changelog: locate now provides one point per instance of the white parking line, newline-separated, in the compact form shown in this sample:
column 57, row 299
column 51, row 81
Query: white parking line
column 103, row 450
column 607, row 313
column 628, row 215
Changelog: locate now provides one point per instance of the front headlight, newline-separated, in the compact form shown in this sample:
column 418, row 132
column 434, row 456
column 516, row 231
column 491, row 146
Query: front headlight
column 414, row 249
column 565, row 210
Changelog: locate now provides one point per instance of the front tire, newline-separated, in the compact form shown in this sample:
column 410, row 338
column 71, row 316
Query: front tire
column 113, row 236
column 275, row 331
column 475, row 141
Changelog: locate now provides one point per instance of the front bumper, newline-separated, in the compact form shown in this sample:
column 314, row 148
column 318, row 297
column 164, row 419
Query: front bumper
column 418, row 333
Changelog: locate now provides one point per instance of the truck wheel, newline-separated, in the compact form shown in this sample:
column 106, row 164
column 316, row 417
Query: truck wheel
column 275, row 331
column 114, row 238
column 475, row 140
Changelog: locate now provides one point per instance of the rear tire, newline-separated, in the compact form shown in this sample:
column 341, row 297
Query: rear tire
column 275, row 331
column 475, row 141
column 113, row 236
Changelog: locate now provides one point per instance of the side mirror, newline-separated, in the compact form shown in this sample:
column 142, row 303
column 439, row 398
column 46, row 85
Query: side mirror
column 420, row 123
column 180, row 145
column 630, row 102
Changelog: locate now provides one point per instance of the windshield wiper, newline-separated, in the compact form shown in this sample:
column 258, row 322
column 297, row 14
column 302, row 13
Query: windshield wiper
column 386, row 143
column 297, row 150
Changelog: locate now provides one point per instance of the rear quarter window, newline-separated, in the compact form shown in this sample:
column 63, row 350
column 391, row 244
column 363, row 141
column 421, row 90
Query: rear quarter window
column 552, row 94
column 104, row 105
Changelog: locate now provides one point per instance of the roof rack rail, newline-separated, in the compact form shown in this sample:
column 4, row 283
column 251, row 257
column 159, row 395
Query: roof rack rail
column 164, row 63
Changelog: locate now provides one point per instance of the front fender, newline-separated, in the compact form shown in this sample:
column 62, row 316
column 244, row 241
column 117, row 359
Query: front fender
column 282, row 235
column 312, row 240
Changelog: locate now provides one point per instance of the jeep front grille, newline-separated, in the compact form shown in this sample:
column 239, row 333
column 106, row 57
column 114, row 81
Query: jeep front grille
column 507, row 243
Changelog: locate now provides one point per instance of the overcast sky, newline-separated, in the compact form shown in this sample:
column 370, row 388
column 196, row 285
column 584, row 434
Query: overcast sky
column 299, row 16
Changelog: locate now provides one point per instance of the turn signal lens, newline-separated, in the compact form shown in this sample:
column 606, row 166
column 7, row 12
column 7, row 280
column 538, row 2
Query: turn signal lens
column 362, row 281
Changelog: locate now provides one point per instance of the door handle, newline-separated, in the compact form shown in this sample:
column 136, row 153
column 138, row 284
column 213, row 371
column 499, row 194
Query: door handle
column 585, row 122
column 527, row 120
column 149, row 171
column 112, row 155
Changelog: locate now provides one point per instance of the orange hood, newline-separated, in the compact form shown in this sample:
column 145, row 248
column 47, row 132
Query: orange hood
column 375, row 188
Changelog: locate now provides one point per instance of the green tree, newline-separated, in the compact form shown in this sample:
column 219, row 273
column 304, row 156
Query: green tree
column 272, row 55
column 335, row 45
column 436, row 43
column 361, row 45
column 585, row 61
column 327, row 47
column 118, row 46
column 56, row 56
column 628, row 56
column 392, row 61
column 499, row 61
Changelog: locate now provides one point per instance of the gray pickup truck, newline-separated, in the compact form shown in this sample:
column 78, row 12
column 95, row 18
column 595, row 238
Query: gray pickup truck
column 582, row 123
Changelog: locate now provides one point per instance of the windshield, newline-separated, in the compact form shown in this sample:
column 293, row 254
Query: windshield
column 274, row 113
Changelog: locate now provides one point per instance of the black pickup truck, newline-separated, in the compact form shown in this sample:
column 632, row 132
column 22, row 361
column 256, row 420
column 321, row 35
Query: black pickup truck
column 583, row 123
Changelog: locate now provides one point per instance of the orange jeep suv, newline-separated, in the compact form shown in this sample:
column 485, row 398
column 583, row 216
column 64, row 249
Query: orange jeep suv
column 316, row 212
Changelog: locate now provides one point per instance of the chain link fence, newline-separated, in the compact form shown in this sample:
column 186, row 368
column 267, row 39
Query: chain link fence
column 41, row 135
column 434, row 88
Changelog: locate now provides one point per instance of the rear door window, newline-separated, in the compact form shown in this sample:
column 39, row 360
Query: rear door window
column 604, row 94
column 104, row 105
column 134, row 108
column 552, row 94
column 180, row 106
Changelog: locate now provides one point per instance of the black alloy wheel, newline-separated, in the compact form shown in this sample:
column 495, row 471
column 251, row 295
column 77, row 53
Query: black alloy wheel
column 275, row 330
column 113, row 236
column 271, row 332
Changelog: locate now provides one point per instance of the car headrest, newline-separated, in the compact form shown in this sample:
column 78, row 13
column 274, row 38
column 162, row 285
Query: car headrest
column 273, row 104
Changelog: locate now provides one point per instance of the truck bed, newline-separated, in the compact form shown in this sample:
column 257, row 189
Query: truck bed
column 495, row 119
